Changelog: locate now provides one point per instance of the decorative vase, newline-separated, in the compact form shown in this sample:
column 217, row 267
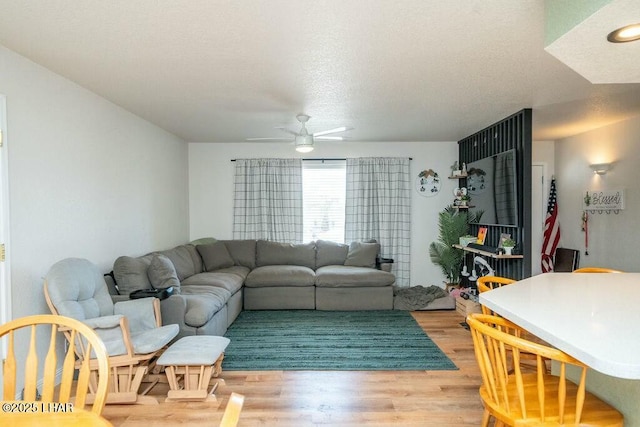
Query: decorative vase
column 507, row 250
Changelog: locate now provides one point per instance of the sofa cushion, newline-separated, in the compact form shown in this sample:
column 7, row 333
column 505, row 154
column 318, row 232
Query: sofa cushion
column 198, row 265
column 275, row 253
column 202, row 303
column 334, row 276
column 131, row 273
column 330, row 253
column 76, row 288
column 203, row 241
column 280, row 275
column 243, row 252
column 162, row 274
column 215, row 256
column 362, row 254
column 230, row 282
column 238, row 270
column 182, row 260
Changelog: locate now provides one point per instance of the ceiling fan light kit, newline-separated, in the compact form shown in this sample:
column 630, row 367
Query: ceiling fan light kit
column 304, row 141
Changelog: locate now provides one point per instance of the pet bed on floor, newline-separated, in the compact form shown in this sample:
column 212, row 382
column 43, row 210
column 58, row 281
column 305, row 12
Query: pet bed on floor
column 422, row 298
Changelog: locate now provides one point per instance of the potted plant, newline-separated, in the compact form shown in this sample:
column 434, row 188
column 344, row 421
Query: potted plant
column 465, row 200
column 452, row 225
column 508, row 245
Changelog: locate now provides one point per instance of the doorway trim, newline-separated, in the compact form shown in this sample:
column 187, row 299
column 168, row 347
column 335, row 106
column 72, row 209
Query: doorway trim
column 538, row 213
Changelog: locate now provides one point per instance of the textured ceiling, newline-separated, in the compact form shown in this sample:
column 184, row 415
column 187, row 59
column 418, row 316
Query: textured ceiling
column 394, row 70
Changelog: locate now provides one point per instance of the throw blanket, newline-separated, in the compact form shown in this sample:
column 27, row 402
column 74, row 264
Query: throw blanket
column 416, row 297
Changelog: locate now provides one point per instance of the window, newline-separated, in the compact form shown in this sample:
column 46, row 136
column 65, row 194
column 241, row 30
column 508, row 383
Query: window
column 324, row 192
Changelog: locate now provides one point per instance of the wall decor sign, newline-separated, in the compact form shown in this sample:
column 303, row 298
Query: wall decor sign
column 603, row 200
column 428, row 183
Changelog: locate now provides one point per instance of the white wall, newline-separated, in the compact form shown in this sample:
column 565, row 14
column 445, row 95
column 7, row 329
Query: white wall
column 87, row 179
column 612, row 238
column 211, row 188
column 544, row 152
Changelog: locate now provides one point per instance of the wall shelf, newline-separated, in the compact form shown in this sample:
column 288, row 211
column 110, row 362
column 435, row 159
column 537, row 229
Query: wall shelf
column 458, row 176
column 486, row 253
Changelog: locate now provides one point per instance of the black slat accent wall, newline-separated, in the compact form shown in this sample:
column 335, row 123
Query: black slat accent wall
column 513, row 132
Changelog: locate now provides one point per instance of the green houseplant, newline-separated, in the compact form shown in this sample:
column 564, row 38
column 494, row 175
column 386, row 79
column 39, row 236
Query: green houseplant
column 452, row 224
column 508, row 245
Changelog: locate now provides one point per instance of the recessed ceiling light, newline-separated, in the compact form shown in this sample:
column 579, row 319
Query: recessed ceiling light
column 625, row 34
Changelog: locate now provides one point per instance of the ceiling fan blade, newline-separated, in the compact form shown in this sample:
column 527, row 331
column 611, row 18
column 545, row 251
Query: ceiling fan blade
column 283, row 129
column 268, row 139
column 330, row 138
column 326, row 132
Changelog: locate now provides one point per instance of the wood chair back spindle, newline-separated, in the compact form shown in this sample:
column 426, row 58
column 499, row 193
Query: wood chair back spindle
column 232, row 411
column 84, row 345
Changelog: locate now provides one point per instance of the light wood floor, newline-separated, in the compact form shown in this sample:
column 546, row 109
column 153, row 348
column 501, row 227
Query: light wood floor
column 337, row 398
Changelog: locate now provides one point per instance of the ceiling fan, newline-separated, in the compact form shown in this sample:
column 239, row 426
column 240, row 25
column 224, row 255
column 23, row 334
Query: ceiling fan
column 303, row 140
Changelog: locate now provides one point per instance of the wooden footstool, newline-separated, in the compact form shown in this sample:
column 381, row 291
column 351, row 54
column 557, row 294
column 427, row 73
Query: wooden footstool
column 189, row 365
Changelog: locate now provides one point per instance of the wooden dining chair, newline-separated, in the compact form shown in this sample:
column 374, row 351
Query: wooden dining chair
column 534, row 398
column 84, row 345
column 232, row 411
column 487, row 283
column 596, row 270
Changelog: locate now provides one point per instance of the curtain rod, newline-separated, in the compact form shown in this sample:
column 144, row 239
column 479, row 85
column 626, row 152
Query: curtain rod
column 323, row 159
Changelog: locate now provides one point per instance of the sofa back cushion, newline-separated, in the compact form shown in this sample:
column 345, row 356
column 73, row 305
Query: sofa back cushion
column 330, row 253
column 274, row 253
column 185, row 259
column 162, row 274
column 243, row 252
column 215, row 256
column 362, row 254
column 131, row 273
column 203, row 241
column 198, row 265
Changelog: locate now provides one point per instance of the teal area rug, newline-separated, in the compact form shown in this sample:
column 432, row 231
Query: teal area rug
column 293, row 340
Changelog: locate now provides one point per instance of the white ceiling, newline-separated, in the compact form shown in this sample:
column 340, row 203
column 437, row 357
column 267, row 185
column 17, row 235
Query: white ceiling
column 586, row 49
column 395, row 70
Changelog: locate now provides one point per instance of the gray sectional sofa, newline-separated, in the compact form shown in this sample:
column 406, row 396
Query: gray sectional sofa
column 213, row 280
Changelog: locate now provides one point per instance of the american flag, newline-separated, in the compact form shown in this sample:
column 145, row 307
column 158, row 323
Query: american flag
column 551, row 230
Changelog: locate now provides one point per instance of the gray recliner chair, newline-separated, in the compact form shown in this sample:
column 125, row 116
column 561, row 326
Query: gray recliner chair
column 131, row 330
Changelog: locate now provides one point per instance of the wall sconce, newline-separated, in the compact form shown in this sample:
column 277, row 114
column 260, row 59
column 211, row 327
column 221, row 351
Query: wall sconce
column 601, row 168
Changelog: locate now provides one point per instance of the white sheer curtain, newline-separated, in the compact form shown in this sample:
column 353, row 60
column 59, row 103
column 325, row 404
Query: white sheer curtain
column 378, row 206
column 268, row 200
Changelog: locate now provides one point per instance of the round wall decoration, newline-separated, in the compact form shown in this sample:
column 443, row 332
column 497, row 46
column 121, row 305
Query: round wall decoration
column 476, row 181
column 428, row 183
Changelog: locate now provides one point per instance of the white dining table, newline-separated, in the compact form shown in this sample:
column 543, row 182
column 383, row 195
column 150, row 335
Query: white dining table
column 594, row 317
